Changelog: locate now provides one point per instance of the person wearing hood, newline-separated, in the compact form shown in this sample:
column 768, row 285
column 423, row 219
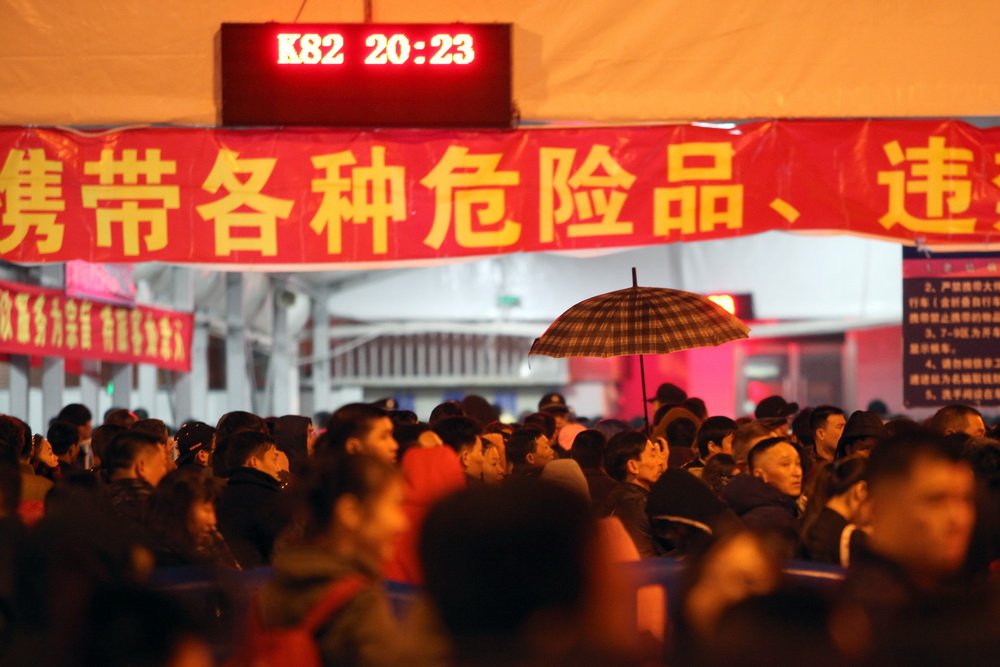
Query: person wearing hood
column 429, row 474
column 767, row 499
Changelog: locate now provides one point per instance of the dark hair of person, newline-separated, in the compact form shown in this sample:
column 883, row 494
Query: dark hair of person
column 522, row 442
column 612, row 427
column 681, row 432
column 126, row 447
column 76, row 414
column 543, row 421
column 622, row 448
column 236, row 421
column 951, row 417
column 335, row 474
column 662, row 411
column 499, row 427
column 479, row 585
column 801, row 428
column 894, row 458
column 102, row 437
column 132, row 627
column 11, row 439
column 445, row 410
column 819, row 416
column 479, row 409
column 983, row 454
column 458, row 432
column 120, row 417
column 718, row 472
column 833, row 479
column 229, row 424
column 153, row 427
column 695, row 406
column 901, row 426
column 171, row 503
column 28, row 448
column 403, row 417
column 408, row 435
column 244, row 445
column 763, row 446
column 588, row 449
column 291, row 436
column 353, row 420
column 62, row 436
column 10, row 487
column 714, row 429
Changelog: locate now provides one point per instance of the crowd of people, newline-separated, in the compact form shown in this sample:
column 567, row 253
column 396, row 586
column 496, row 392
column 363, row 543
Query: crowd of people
column 517, row 536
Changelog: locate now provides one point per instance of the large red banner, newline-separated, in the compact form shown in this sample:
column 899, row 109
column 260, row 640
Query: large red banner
column 316, row 197
column 46, row 323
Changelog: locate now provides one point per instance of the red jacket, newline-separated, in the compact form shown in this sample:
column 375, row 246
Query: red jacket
column 430, row 473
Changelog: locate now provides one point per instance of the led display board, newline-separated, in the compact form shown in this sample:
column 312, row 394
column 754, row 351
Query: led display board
column 365, row 75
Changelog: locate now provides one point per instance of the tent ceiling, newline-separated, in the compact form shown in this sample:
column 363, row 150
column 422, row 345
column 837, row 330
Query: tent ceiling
column 66, row 62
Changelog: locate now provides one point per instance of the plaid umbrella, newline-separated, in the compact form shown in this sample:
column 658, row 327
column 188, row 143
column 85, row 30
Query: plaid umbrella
column 639, row 320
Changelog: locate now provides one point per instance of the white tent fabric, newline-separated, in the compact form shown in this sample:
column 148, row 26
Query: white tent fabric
column 114, row 62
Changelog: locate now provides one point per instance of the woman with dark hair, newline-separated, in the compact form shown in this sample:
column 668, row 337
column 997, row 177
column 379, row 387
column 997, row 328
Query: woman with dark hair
column 353, row 509
column 830, row 524
column 44, row 460
column 182, row 516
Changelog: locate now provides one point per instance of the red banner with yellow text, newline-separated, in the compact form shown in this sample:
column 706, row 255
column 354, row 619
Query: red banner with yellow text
column 44, row 322
column 328, row 198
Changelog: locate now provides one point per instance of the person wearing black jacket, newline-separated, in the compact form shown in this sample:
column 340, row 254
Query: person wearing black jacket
column 253, row 509
column 767, row 499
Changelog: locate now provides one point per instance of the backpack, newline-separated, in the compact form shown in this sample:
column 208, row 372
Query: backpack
column 294, row 645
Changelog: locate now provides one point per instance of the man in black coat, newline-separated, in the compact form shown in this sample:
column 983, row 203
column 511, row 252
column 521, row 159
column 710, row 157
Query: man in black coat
column 767, row 498
column 253, row 509
column 632, row 459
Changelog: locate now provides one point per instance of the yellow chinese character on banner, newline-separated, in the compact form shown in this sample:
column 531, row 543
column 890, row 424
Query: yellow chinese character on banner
column 135, row 322
column 257, row 227
column 86, row 328
column 6, row 319
column 374, row 195
column 121, row 330
column 940, row 175
column 595, row 193
column 119, row 182
column 33, row 188
column 56, row 315
column 180, row 353
column 698, row 208
column 72, row 325
column 41, row 321
column 152, row 336
column 23, row 319
column 108, row 328
column 165, row 338
column 469, row 191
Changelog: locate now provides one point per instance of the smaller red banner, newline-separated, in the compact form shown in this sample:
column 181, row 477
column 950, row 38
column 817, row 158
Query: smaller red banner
column 44, row 322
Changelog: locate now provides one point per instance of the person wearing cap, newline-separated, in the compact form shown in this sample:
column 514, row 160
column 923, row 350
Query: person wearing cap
column 862, row 432
column 776, row 410
column 194, row 445
column 555, row 405
column 667, row 394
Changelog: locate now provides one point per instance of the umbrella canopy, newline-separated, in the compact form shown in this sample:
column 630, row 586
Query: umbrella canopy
column 639, row 320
